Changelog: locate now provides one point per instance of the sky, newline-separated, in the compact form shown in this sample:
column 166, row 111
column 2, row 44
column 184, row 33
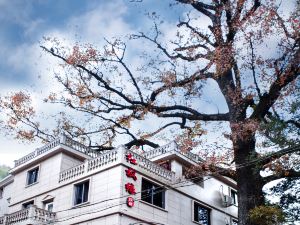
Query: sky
column 24, row 24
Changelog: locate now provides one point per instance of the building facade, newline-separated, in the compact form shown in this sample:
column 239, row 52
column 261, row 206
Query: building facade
column 64, row 182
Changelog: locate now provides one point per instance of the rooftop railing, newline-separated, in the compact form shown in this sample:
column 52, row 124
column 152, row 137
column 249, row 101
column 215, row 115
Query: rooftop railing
column 62, row 140
column 168, row 148
column 111, row 158
column 152, row 167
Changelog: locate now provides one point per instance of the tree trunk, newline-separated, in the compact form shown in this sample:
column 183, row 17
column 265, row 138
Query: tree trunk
column 249, row 181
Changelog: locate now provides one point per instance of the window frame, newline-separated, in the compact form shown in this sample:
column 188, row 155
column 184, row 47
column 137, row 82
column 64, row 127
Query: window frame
column 235, row 197
column 164, row 205
column 203, row 206
column 37, row 178
column 74, row 192
column 48, row 202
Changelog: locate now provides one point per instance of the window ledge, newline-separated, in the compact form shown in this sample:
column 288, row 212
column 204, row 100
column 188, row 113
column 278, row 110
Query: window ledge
column 29, row 185
column 80, row 205
column 154, row 206
column 197, row 222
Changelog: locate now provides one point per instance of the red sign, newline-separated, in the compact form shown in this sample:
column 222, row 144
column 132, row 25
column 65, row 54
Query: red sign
column 130, row 202
column 131, row 173
column 129, row 158
column 129, row 187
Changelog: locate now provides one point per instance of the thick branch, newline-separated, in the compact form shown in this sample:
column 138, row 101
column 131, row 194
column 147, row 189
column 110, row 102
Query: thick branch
column 198, row 116
column 140, row 142
column 273, row 156
column 282, row 174
column 201, row 7
column 268, row 99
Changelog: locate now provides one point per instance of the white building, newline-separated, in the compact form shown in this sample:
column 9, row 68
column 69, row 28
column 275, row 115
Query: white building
column 65, row 182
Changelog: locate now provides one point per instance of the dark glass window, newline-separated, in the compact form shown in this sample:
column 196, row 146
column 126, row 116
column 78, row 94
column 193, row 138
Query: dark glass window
column 234, row 222
column 233, row 194
column 201, row 214
column 32, row 176
column 81, row 192
column 27, row 204
column 153, row 193
column 1, row 192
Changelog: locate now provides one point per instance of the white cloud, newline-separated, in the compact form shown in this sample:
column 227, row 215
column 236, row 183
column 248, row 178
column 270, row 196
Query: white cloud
column 105, row 20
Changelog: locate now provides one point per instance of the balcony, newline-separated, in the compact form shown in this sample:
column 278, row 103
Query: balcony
column 31, row 215
column 112, row 158
column 63, row 140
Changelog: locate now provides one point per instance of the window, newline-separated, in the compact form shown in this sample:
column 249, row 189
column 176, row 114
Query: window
column 233, row 194
column 48, row 205
column 32, row 176
column 201, row 214
column 26, row 205
column 153, row 193
column 81, row 192
column 234, row 222
column 1, row 192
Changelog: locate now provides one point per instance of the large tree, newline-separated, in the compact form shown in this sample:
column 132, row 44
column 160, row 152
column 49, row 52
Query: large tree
column 247, row 49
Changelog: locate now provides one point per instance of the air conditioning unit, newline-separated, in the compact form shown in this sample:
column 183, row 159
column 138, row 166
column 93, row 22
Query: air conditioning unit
column 227, row 201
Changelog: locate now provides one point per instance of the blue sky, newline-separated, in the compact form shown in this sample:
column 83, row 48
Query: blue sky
column 23, row 66
column 25, row 23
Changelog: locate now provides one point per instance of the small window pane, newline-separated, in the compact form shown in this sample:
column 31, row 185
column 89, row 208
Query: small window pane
column 201, row 214
column 81, row 193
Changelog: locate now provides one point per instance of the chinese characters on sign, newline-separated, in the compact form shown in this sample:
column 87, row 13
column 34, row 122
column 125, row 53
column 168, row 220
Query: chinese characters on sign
column 130, row 159
column 130, row 173
column 129, row 187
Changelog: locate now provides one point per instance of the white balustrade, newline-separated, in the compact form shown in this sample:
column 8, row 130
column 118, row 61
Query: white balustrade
column 102, row 160
column 89, row 165
column 152, row 167
column 171, row 147
column 110, row 158
column 16, row 217
column 62, row 140
column 32, row 214
column 72, row 172
column 41, row 215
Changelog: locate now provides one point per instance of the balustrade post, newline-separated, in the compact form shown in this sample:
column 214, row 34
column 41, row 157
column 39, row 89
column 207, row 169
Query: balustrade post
column 62, row 139
column 86, row 166
column 31, row 213
column 121, row 151
column 5, row 222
